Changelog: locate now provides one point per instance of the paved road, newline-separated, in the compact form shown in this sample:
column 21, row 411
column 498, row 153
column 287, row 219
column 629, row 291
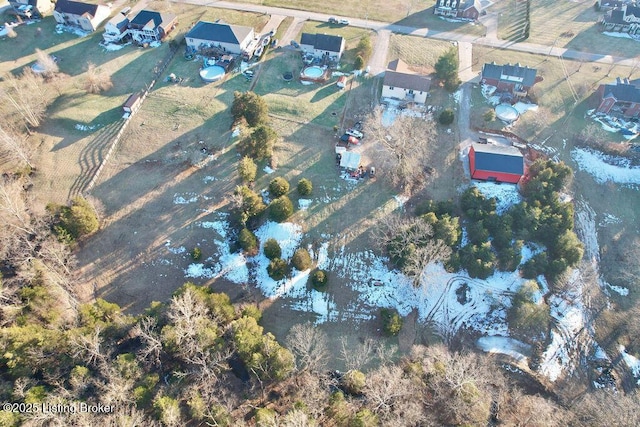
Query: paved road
column 426, row 32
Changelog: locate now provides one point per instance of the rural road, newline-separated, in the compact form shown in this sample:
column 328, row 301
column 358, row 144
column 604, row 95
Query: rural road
column 491, row 41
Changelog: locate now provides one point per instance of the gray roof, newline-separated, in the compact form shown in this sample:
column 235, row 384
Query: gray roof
column 406, row 81
column 76, row 7
column 145, row 16
column 511, row 73
column 218, row 32
column 322, row 42
column 623, row 91
column 617, row 15
column 498, row 158
column 459, row 4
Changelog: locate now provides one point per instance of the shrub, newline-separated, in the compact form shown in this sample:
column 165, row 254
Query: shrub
column 301, row 260
column 391, row 321
column 247, row 169
column 249, row 204
column 278, row 187
column 281, row 209
column 364, row 418
column 354, row 382
column 277, row 269
column 319, row 280
column 196, row 253
column 248, row 241
column 452, row 84
column 489, row 115
column 447, row 65
column 525, row 316
column 272, row 249
column 478, row 260
column 364, row 48
column 446, row 117
column 252, row 311
column 358, row 64
column 305, row 187
column 71, row 222
column 265, row 417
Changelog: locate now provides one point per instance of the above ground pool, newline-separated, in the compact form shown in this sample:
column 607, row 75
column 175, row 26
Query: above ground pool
column 313, row 72
column 212, row 74
column 506, row 113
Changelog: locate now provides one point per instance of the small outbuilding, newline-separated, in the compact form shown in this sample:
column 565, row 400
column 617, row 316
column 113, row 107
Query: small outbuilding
column 500, row 163
column 350, row 160
column 132, row 103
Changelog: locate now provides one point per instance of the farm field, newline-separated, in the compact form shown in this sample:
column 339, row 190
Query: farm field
column 421, row 53
column 573, row 25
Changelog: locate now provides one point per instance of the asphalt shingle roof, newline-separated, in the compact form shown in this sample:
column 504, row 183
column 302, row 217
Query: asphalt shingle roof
column 217, row 32
column 512, row 73
column 322, row 41
column 625, row 92
column 406, row 81
column 76, row 7
column 498, row 158
column 143, row 18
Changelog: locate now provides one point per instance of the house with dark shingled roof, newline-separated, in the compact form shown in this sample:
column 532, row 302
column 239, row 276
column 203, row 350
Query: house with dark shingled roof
column 83, row 15
column 513, row 79
column 492, row 162
column 464, row 9
column 621, row 98
column 402, row 83
column 233, row 39
column 149, row 25
column 625, row 19
column 322, row 45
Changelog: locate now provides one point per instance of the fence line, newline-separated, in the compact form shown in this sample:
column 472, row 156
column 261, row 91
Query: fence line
column 118, row 137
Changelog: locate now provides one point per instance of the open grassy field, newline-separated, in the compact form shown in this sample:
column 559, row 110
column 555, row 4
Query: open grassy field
column 415, row 13
column 419, row 52
column 567, row 24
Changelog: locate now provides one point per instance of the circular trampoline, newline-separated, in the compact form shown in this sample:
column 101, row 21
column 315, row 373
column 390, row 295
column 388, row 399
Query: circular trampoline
column 507, row 113
column 212, row 74
column 287, row 76
column 313, row 72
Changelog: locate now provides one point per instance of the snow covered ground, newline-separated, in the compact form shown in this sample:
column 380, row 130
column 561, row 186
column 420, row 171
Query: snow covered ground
column 606, row 168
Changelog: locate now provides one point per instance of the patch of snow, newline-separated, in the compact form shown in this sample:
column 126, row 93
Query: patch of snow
column 155, row 43
column 268, row 170
column 303, row 204
column 207, row 179
column 400, row 200
column 61, row 28
column 619, row 289
column 632, row 362
column 199, row 271
column 554, row 358
column 605, row 168
column 85, row 128
column 609, row 219
column 178, row 250
column 181, row 200
column 523, row 107
column 236, row 132
column 112, row 47
column 506, row 195
column 504, row 345
column 618, row 35
column 457, row 95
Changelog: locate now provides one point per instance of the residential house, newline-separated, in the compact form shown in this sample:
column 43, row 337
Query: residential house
column 513, row 79
column 117, row 28
column 84, row 15
column 622, row 98
column 402, row 83
column 622, row 20
column 323, row 45
column 233, row 39
column 31, row 8
column 149, row 25
column 463, row 9
column 606, row 5
column 501, row 163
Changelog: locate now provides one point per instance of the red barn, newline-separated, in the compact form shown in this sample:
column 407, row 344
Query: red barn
column 500, row 163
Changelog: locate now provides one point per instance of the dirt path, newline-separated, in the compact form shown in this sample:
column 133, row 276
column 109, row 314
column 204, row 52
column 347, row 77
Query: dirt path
column 378, row 61
column 465, row 57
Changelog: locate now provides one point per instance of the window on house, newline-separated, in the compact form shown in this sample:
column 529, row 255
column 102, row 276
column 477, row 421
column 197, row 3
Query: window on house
column 391, row 88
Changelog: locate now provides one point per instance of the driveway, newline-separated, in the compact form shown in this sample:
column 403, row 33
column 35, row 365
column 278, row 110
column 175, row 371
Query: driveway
column 378, row 60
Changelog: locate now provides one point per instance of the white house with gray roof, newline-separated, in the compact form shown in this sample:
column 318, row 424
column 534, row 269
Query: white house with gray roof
column 403, row 84
column 234, row 39
column 322, row 45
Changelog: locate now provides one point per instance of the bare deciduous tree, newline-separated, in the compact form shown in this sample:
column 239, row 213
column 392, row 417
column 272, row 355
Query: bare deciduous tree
column 28, row 96
column 310, row 347
column 356, row 356
column 14, row 147
column 402, row 149
column 96, row 81
column 46, row 63
column 394, row 397
column 152, row 343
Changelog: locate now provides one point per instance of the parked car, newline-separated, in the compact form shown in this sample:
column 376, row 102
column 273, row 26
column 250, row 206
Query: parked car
column 295, row 44
column 274, row 42
column 272, row 33
column 343, row 21
column 355, row 133
column 349, row 139
column 333, row 20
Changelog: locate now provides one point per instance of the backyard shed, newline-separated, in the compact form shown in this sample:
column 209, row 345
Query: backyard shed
column 132, row 103
column 499, row 163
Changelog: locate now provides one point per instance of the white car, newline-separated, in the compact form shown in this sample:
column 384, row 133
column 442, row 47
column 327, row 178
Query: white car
column 343, row 21
column 355, row 133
